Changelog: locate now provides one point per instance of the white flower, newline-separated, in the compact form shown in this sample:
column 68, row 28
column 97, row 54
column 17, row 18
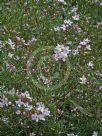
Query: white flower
column 10, row 55
column 76, row 17
column 35, row 117
column 61, row 52
column 88, row 47
column 85, row 41
column 95, row 134
column 44, row 112
column 75, row 52
column 4, row 102
column 33, row 40
column 90, row 64
column 24, row 95
column 99, row 24
column 62, row 1
column 68, row 22
column 100, row 87
column 12, row 44
column 76, row 27
column 28, row 107
column 63, row 27
column 83, row 80
column 5, row 119
column 41, row 108
column 18, row 112
column 71, row 135
column 10, row 67
column 20, row 39
column 101, row 4
column 41, row 117
column 57, row 28
column 32, row 134
column 46, row 81
column 19, row 103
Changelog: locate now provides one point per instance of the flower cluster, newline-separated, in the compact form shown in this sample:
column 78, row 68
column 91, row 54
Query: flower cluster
column 70, row 22
column 4, row 102
column 20, row 41
column 85, row 43
column 43, row 112
column 95, row 134
column 24, row 106
column 67, row 23
column 61, row 52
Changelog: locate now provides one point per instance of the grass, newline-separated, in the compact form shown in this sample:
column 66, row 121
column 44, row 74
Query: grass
column 74, row 107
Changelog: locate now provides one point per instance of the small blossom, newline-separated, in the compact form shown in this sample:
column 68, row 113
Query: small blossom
column 62, row 1
column 63, row 27
column 18, row 112
column 44, row 112
column 98, row 24
column 75, row 52
column 33, row 40
column 100, row 87
column 57, row 28
column 88, row 47
column 83, row 80
column 19, row 103
column 59, row 111
column 90, row 64
column 68, row 22
column 5, row 119
column 12, row 44
column 41, row 107
column 77, row 28
column 4, row 102
column 10, row 55
column 101, row 4
column 95, row 134
column 32, row 134
column 35, row 117
column 10, row 67
column 61, row 52
column 85, row 41
column 76, row 17
column 46, row 81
